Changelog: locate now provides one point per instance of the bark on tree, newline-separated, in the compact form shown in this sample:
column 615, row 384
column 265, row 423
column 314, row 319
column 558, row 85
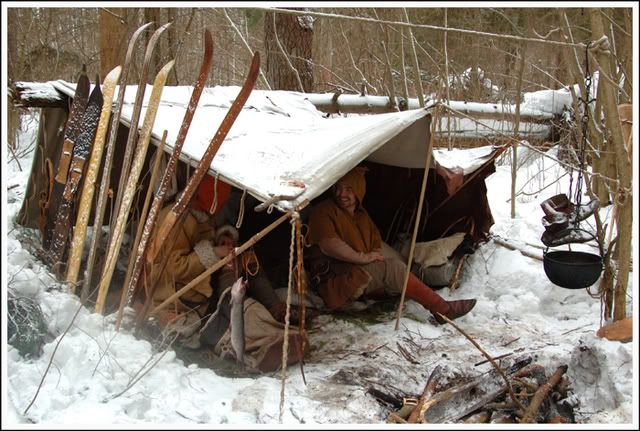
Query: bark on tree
column 153, row 15
column 607, row 154
column 624, row 199
column 625, row 54
column 295, row 34
column 113, row 38
column 172, row 41
column 595, row 133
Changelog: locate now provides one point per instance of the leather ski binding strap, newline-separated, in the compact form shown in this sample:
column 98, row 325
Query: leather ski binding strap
column 45, row 195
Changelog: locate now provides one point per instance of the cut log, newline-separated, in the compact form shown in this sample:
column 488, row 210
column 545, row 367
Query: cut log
column 542, row 392
column 38, row 95
column 428, row 391
column 620, row 330
column 455, row 403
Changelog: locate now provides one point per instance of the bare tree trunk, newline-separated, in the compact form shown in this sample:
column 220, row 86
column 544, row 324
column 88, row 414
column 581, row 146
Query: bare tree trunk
column 625, row 54
column 153, row 14
column 516, row 136
column 595, row 133
column 607, row 154
column 416, row 66
column 13, row 119
column 615, row 140
column 446, row 83
column 295, row 34
column 113, row 38
column 172, row 41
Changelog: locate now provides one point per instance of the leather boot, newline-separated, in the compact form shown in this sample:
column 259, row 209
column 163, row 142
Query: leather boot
column 456, row 309
column 423, row 294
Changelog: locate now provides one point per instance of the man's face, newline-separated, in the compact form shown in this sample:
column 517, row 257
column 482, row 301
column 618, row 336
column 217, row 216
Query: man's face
column 345, row 197
column 226, row 240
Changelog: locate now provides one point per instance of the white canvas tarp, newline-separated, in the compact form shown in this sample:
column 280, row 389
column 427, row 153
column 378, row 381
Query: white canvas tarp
column 280, row 145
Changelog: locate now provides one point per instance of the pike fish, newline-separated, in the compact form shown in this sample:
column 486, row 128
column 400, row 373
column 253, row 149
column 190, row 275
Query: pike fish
column 236, row 319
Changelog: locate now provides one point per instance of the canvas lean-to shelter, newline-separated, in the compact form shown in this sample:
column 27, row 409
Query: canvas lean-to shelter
column 284, row 151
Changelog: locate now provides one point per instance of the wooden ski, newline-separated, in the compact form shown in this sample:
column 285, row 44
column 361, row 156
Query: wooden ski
column 86, row 197
column 131, row 185
column 81, row 151
column 166, row 231
column 133, row 128
column 106, row 169
column 57, row 183
column 128, row 291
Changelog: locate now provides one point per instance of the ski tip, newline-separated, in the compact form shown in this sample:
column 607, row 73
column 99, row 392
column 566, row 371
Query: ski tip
column 165, row 69
column 164, row 27
column 114, row 74
column 144, row 26
column 256, row 59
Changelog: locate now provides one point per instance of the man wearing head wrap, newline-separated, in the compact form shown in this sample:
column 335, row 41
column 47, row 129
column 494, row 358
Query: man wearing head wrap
column 348, row 260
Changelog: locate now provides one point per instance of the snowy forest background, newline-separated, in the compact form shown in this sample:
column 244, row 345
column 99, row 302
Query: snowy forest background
column 486, row 54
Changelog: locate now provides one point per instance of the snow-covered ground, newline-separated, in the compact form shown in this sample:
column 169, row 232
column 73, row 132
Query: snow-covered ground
column 519, row 311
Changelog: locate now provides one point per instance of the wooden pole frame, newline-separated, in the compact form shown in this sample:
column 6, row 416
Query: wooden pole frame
column 417, row 221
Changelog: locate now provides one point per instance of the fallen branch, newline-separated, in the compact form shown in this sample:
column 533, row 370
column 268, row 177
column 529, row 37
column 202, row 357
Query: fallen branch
column 510, row 246
column 406, row 354
column 541, row 394
column 486, row 355
column 429, row 389
column 395, row 419
column 46, row 371
column 455, row 280
column 497, row 357
column 142, row 374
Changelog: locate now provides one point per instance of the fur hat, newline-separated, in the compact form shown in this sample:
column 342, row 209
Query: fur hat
column 227, row 229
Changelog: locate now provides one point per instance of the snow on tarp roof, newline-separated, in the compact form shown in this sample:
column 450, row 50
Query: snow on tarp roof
column 281, row 145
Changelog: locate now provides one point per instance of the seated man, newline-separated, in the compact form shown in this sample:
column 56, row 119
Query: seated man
column 348, row 259
column 194, row 251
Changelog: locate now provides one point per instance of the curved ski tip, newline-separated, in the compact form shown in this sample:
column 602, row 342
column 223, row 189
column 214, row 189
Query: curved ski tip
column 208, row 39
column 168, row 66
column 164, row 27
column 114, row 74
column 143, row 27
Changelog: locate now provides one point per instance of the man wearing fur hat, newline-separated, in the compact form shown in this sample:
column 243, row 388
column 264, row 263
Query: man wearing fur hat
column 350, row 261
column 198, row 246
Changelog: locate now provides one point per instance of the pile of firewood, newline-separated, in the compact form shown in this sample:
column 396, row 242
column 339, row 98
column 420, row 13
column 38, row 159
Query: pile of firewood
column 521, row 393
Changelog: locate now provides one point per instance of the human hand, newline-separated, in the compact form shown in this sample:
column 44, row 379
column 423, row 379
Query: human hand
column 375, row 256
column 222, row 250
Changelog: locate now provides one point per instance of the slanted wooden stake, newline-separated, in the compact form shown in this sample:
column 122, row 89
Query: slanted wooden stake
column 417, row 222
column 239, row 250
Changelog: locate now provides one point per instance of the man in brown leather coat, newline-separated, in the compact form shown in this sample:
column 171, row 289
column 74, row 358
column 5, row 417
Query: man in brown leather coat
column 350, row 260
column 201, row 316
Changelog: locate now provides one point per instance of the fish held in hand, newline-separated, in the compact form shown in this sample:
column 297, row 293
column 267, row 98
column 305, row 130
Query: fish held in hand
column 238, row 291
